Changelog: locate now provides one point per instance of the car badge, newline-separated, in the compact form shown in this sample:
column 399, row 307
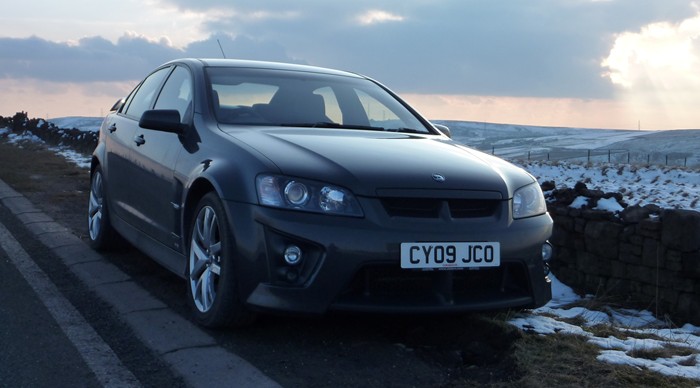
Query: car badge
column 438, row 178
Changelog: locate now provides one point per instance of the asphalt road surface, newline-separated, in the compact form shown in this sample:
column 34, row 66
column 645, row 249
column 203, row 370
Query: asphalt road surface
column 72, row 317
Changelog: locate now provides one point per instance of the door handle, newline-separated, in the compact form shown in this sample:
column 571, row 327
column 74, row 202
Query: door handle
column 139, row 140
column 112, row 128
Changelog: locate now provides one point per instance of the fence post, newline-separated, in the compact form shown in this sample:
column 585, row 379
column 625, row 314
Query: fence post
column 589, row 156
column 528, row 156
column 609, row 156
column 493, row 150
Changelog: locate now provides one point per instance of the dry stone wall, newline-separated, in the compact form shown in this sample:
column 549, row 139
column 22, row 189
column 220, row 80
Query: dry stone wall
column 646, row 256
column 75, row 139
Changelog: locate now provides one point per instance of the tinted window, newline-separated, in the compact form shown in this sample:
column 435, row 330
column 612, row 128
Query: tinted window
column 177, row 93
column 297, row 98
column 244, row 94
column 378, row 114
column 142, row 100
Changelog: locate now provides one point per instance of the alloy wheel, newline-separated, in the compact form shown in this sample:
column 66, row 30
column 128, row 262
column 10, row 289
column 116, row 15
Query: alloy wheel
column 205, row 259
column 95, row 207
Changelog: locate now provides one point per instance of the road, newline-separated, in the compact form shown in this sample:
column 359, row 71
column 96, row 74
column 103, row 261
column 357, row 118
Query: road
column 54, row 339
column 72, row 317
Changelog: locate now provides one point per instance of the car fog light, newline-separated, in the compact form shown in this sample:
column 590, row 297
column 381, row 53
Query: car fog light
column 547, row 251
column 292, row 255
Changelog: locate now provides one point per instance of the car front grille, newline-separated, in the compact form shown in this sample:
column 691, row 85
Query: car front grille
column 434, row 208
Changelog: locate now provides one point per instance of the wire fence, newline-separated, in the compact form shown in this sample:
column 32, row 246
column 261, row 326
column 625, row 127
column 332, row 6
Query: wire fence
column 619, row 156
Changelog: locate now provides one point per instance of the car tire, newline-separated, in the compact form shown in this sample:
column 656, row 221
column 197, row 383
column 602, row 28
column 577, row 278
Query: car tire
column 212, row 285
column 101, row 234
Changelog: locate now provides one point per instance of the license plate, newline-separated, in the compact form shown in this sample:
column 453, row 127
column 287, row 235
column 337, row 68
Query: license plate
column 450, row 255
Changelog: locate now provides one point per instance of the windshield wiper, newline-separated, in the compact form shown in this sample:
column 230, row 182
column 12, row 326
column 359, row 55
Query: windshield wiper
column 406, row 130
column 326, row 124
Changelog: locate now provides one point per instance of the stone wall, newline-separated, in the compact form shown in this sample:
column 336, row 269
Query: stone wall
column 75, row 139
column 643, row 256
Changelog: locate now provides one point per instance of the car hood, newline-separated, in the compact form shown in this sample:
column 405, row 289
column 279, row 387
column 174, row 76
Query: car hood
column 372, row 163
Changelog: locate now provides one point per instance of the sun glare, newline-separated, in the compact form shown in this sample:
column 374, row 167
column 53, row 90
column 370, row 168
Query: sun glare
column 657, row 69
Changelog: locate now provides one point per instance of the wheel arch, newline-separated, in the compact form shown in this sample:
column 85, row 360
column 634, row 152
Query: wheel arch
column 199, row 188
column 94, row 162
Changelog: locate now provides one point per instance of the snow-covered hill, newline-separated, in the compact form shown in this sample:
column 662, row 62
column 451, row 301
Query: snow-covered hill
column 673, row 147
column 78, row 122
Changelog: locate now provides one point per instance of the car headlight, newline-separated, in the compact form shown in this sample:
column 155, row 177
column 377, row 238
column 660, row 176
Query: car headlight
column 305, row 195
column 528, row 201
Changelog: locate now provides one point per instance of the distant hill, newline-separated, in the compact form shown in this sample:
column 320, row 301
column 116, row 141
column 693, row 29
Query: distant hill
column 523, row 141
column 87, row 124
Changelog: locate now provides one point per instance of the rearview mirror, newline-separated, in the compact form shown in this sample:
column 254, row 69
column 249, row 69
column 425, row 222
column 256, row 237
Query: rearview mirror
column 166, row 120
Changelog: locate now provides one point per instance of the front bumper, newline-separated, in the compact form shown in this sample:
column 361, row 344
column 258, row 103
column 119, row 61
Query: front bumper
column 353, row 264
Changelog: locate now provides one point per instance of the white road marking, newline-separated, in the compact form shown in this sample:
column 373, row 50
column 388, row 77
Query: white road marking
column 99, row 357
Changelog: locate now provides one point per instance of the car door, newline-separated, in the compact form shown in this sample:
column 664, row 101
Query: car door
column 120, row 130
column 154, row 155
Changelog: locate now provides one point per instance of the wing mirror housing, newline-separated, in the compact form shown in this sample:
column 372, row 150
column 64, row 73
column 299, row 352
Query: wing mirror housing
column 166, row 120
column 444, row 129
column 117, row 105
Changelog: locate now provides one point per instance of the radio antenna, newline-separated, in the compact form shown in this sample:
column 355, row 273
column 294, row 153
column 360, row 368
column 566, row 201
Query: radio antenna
column 221, row 48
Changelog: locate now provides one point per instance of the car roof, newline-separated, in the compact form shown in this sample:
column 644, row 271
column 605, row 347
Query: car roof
column 241, row 63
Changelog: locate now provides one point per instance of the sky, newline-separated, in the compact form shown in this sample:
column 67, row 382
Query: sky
column 619, row 64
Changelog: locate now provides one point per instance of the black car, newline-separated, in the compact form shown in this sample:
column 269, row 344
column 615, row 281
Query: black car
column 282, row 187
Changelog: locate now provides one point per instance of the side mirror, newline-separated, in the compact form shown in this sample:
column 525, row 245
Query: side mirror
column 166, row 120
column 444, row 129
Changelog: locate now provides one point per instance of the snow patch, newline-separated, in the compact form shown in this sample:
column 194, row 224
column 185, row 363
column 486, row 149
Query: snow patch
column 609, row 204
column 551, row 319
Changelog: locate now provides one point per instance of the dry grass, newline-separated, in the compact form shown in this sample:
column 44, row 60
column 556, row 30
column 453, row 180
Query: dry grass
column 666, row 351
column 571, row 361
column 567, row 360
column 60, row 188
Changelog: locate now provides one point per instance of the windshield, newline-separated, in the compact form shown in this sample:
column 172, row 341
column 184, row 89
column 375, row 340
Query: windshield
column 304, row 99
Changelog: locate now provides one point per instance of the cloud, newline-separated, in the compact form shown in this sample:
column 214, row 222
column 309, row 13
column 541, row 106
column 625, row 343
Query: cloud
column 241, row 46
column 543, row 48
column 132, row 57
column 87, row 60
column 659, row 55
column 375, row 16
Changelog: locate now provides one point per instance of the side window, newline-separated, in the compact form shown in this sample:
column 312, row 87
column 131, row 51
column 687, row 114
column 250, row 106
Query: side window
column 143, row 98
column 177, row 93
